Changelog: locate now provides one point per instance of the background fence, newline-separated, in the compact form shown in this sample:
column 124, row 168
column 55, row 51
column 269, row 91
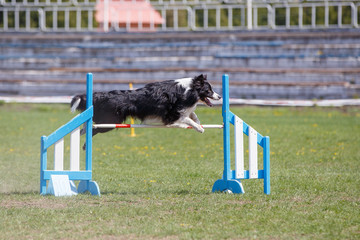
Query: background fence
column 184, row 15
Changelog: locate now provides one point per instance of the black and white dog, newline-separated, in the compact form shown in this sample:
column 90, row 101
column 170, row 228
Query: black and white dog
column 170, row 103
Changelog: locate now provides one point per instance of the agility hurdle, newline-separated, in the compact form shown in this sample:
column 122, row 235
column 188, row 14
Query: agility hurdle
column 230, row 182
column 66, row 186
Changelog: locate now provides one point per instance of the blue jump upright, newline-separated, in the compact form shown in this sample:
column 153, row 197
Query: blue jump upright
column 231, row 180
column 56, row 139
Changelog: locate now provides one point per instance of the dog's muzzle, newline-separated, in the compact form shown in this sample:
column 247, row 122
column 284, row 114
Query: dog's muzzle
column 215, row 96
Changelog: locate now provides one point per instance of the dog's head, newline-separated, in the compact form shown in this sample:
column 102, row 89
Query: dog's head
column 204, row 89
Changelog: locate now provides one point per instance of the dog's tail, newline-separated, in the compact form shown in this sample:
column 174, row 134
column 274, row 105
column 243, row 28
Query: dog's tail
column 78, row 102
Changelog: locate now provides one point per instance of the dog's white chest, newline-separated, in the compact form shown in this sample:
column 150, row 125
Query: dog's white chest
column 186, row 112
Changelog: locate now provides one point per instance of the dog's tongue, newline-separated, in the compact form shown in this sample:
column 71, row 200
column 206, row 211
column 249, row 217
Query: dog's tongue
column 207, row 101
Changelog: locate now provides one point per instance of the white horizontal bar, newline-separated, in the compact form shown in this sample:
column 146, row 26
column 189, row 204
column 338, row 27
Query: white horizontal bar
column 149, row 126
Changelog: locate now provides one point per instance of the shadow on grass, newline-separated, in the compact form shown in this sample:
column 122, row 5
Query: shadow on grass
column 162, row 192
column 28, row 193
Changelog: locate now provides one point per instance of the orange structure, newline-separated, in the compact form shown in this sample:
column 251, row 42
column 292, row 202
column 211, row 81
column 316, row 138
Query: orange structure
column 134, row 15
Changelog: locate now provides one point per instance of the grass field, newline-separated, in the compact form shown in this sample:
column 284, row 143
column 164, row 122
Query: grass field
column 158, row 184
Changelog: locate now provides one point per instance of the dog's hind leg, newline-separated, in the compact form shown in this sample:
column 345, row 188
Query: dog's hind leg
column 100, row 130
column 83, row 130
column 101, row 117
column 96, row 131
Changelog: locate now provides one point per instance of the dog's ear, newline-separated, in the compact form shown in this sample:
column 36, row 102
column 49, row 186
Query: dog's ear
column 200, row 79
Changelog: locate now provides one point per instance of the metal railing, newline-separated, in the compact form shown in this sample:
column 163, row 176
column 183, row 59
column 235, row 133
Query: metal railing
column 154, row 2
column 79, row 16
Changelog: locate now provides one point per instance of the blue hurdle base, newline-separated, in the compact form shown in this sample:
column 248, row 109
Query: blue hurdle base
column 222, row 185
column 91, row 186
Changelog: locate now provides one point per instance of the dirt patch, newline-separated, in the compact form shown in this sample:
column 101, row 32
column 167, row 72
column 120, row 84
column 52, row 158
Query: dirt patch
column 133, row 236
column 38, row 203
column 17, row 107
column 239, row 202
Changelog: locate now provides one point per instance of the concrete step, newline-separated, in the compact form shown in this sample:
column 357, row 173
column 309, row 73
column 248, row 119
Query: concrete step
column 251, row 91
column 144, row 75
column 269, row 64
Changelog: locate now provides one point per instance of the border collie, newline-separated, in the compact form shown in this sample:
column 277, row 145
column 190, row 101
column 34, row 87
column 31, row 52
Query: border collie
column 170, row 103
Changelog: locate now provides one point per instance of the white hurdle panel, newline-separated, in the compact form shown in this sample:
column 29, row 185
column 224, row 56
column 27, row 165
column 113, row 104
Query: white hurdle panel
column 74, row 152
column 253, row 153
column 59, row 155
column 239, row 150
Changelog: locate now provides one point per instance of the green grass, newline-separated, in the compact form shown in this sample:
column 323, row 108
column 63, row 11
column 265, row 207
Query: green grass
column 158, row 184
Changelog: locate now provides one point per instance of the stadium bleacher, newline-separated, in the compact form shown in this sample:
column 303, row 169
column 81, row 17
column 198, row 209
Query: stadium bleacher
column 262, row 65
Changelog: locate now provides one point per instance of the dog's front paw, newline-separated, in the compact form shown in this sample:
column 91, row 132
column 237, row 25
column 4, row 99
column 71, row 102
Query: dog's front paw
column 184, row 125
column 200, row 129
column 178, row 125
